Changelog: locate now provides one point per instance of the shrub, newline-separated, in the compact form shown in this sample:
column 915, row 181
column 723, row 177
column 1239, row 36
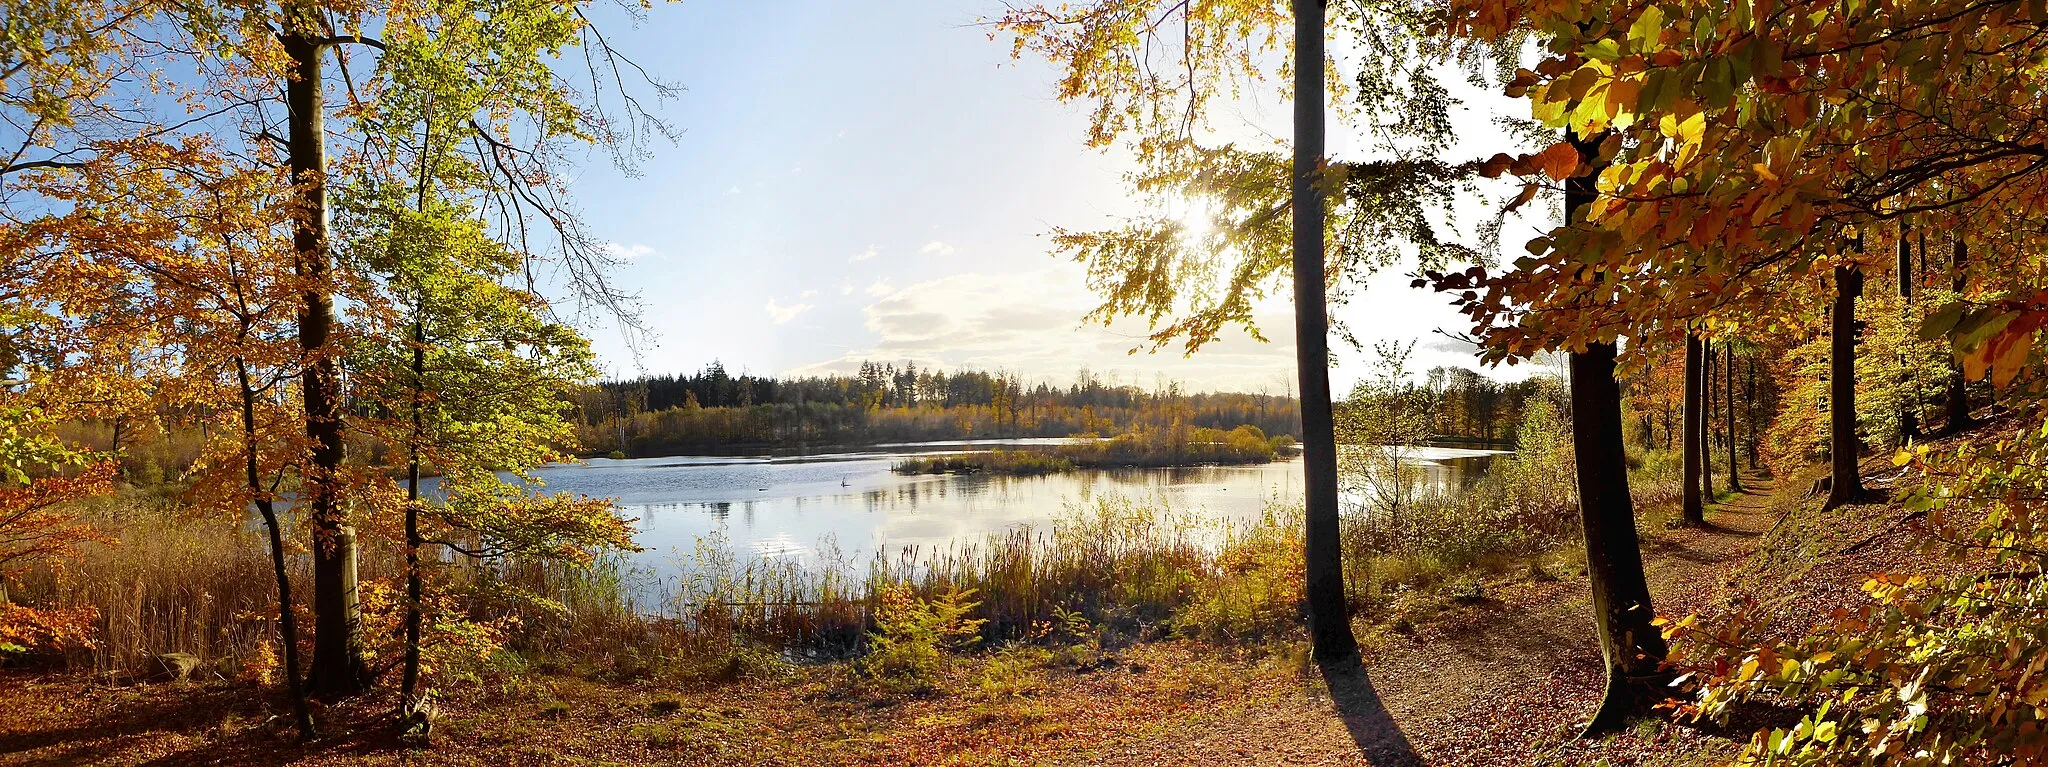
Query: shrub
column 1013, row 672
column 911, row 633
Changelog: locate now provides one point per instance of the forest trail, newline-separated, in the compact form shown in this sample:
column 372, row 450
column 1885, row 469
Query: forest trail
column 1505, row 684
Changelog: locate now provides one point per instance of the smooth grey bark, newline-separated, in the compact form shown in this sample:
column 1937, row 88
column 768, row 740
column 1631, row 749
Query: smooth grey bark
column 1909, row 410
column 1706, row 431
column 1329, row 612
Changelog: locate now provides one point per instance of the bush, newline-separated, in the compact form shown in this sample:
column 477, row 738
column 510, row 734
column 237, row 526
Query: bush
column 911, row 633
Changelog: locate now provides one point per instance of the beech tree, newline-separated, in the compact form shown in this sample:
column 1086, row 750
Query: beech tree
column 469, row 372
column 1190, row 289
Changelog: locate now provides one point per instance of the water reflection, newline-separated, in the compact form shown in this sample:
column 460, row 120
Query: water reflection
column 785, row 507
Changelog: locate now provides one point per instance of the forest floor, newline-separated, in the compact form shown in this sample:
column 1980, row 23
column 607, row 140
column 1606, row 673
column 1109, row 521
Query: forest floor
column 1503, row 679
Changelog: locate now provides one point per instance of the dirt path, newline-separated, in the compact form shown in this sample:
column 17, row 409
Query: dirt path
column 1506, row 687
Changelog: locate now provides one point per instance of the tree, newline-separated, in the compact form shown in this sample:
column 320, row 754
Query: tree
column 1844, row 446
column 1329, row 612
column 38, row 475
column 1693, row 502
column 184, row 255
column 1151, row 268
column 1956, row 396
column 1632, row 648
column 1728, row 391
column 237, row 67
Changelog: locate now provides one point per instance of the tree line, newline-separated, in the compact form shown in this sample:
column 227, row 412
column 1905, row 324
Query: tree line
column 715, row 410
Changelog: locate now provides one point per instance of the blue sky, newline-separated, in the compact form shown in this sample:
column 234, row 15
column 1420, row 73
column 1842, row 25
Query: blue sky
column 872, row 181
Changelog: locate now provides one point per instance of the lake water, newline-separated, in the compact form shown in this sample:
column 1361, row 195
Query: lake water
column 787, row 506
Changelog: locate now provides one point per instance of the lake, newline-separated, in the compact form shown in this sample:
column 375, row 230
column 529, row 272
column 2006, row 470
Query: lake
column 787, row 506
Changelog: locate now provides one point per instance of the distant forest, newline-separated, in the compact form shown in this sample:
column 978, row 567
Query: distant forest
column 715, row 410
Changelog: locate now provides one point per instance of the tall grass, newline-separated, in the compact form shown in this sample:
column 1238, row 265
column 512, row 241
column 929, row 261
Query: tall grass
column 175, row 582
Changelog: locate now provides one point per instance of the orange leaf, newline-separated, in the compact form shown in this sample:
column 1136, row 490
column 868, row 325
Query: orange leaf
column 1559, row 161
column 1528, row 193
column 2009, row 352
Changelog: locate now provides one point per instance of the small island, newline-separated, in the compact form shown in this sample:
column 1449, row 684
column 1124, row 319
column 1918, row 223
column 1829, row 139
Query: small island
column 1140, row 448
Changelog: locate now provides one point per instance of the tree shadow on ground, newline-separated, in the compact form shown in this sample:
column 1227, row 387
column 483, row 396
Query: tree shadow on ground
column 1372, row 727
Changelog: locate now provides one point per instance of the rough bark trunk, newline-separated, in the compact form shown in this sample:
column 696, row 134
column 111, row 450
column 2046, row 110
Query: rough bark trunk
column 1633, row 649
column 338, row 669
column 1692, row 503
column 1843, row 445
column 1728, row 392
column 1329, row 613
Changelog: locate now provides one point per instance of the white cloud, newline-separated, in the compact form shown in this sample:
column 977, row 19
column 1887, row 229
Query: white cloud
column 937, row 247
column 806, row 294
column 871, row 252
column 733, row 190
column 625, row 252
column 1031, row 322
column 781, row 315
column 846, row 288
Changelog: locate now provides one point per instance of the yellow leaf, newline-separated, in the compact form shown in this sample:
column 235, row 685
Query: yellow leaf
column 1693, row 128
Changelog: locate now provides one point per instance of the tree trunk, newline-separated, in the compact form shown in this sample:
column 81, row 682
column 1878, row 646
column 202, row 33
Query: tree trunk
column 1692, row 503
column 1329, row 614
column 1958, row 400
column 1750, row 398
column 1909, row 410
column 1843, row 445
column 1634, row 650
column 1728, row 392
column 338, row 668
column 413, row 542
column 287, row 622
column 1706, row 434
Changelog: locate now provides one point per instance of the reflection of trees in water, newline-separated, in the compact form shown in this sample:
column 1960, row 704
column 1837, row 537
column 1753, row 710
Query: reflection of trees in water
column 1387, row 479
